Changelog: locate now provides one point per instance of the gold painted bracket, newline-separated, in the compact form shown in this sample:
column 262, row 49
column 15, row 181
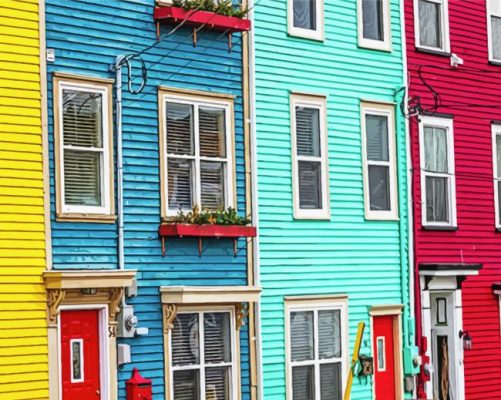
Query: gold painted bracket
column 241, row 312
column 54, row 299
column 116, row 295
column 170, row 313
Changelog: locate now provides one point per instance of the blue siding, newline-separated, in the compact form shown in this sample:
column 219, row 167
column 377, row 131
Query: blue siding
column 88, row 35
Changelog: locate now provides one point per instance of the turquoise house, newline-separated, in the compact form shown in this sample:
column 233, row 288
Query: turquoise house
column 332, row 199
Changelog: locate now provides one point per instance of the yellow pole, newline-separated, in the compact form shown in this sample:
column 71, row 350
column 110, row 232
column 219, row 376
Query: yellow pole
column 354, row 359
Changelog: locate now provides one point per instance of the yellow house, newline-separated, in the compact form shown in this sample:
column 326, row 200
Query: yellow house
column 23, row 325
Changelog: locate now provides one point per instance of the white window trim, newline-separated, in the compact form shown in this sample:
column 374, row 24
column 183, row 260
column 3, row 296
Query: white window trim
column 384, row 44
column 317, row 34
column 489, row 14
column 496, row 131
column 447, row 124
column 444, row 27
column 388, row 111
column 82, row 360
column 316, row 304
column 198, row 101
column 320, row 103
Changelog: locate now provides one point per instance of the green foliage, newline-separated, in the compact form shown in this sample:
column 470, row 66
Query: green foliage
column 218, row 217
column 223, row 7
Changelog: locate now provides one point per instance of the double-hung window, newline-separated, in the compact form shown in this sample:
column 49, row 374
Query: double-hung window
column 379, row 159
column 496, row 154
column 494, row 29
column 306, row 18
column 196, row 152
column 374, row 24
column 316, row 350
column 432, row 24
column 309, row 157
column 83, row 148
column 438, row 187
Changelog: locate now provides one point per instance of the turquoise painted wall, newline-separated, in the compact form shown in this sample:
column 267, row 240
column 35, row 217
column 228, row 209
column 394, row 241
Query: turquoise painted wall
column 346, row 254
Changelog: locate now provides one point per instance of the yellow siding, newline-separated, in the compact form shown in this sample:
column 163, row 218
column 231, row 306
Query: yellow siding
column 23, row 327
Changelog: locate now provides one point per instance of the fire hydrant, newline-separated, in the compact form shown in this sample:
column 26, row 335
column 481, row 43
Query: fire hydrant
column 137, row 387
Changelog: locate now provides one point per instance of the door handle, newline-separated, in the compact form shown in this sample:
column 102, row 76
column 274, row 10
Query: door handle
column 98, row 392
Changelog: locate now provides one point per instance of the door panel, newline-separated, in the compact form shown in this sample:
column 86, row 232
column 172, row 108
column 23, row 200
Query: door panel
column 384, row 357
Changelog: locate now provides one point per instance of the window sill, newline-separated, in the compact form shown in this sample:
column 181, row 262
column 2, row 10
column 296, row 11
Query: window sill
column 94, row 218
column 498, row 229
column 436, row 52
column 376, row 47
column 495, row 62
column 316, row 37
column 439, row 228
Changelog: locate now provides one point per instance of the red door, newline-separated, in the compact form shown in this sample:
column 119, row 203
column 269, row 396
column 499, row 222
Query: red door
column 384, row 357
column 80, row 355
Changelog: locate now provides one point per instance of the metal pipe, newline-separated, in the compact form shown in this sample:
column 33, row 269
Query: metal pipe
column 118, row 121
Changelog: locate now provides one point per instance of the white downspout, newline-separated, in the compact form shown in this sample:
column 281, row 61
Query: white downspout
column 120, row 193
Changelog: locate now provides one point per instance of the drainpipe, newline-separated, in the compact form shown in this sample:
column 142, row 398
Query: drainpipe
column 120, row 194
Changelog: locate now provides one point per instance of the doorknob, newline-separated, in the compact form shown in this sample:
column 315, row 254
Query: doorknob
column 98, row 392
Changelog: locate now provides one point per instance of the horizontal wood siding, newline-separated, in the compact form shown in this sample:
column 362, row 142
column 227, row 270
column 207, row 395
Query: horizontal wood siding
column 87, row 36
column 346, row 254
column 471, row 95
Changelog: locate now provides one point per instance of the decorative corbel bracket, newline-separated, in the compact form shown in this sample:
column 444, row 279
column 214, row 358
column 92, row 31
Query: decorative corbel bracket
column 54, row 299
column 170, row 313
column 116, row 294
column 241, row 312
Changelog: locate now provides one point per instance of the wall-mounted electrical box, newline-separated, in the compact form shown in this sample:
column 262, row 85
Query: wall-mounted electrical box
column 127, row 322
column 412, row 360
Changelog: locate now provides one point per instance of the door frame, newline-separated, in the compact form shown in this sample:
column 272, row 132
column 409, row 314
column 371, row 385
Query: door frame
column 104, row 368
column 395, row 311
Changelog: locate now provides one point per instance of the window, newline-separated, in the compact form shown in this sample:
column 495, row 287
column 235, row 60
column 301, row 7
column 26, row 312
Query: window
column 494, row 29
column 316, row 349
column 197, row 152
column 306, row 18
column 432, row 24
column 83, row 148
column 379, row 159
column 374, row 24
column 496, row 152
column 309, row 157
column 437, row 172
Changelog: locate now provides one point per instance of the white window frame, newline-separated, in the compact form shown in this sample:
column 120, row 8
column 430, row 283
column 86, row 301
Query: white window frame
column 444, row 26
column 384, row 44
column 320, row 103
column 447, row 124
column 317, row 34
column 496, row 131
column 321, row 303
column 388, row 111
column 489, row 31
column 197, row 101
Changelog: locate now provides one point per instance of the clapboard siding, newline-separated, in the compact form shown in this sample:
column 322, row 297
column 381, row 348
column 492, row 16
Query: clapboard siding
column 23, row 328
column 88, row 36
column 346, row 254
column 471, row 95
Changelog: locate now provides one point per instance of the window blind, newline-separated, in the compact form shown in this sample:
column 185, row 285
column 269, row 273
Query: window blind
column 302, row 347
column 430, row 30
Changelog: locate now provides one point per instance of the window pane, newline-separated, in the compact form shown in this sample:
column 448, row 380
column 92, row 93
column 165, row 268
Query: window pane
column 217, row 383
column 330, row 382
column 180, row 180
column 429, row 24
column 302, row 347
column 212, row 132
column 437, row 199
column 303, row 383
column 179, row 128
column 496, row 37
column 329, row 334
column 372, row 13
column 82, row 119
column 499, row 201
column 498, row 156
column 82, row 178
column 381, row 366
column 435, row 146
column 185, row 340
column 310, row 185
column 186, row 385
column 217, row 337
column 305, row 14
column 377, row 137
column 379, row 188
column 212, row 185
column 308, row 131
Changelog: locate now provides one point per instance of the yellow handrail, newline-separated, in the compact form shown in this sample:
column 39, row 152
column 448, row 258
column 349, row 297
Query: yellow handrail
column 354, row 359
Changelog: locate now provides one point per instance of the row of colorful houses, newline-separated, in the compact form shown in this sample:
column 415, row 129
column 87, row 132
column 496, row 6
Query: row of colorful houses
column 282, row 199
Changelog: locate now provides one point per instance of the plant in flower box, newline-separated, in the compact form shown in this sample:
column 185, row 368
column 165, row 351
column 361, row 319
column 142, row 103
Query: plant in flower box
column 221, row 7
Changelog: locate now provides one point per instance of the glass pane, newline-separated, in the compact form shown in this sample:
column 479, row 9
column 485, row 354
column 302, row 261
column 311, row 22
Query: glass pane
column 187, row 385
column 379, row 188
column 76, row 360
column 372, row 12
column 212, row 179
column 377, row 137
column 308, row 131
column 180, row 179
column 435, row 146
column 185, row 340
column 217, row 383
column 303, row 383
column 430, row 24
column 82, row 119
column 179, row 128
column 305, row 14
column 82, row 178
column 498, row 156
column 310, row 185
column 437, row 199
column 441, row 310
column 330, row 382
column 329, row 334
column 217, row 336
column 496, row 37
column 381, row 365
column 499, row 199
column 302, row 339
column 212, row 132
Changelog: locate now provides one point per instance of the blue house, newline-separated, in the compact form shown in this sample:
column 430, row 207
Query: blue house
column 146, row 111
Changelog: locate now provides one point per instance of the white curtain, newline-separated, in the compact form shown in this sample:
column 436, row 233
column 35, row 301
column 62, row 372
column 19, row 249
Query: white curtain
column 429, row 24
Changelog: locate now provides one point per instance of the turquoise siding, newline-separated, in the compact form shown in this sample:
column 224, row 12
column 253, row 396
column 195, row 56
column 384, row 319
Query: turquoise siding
column 346, row 254
column 87, row 36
